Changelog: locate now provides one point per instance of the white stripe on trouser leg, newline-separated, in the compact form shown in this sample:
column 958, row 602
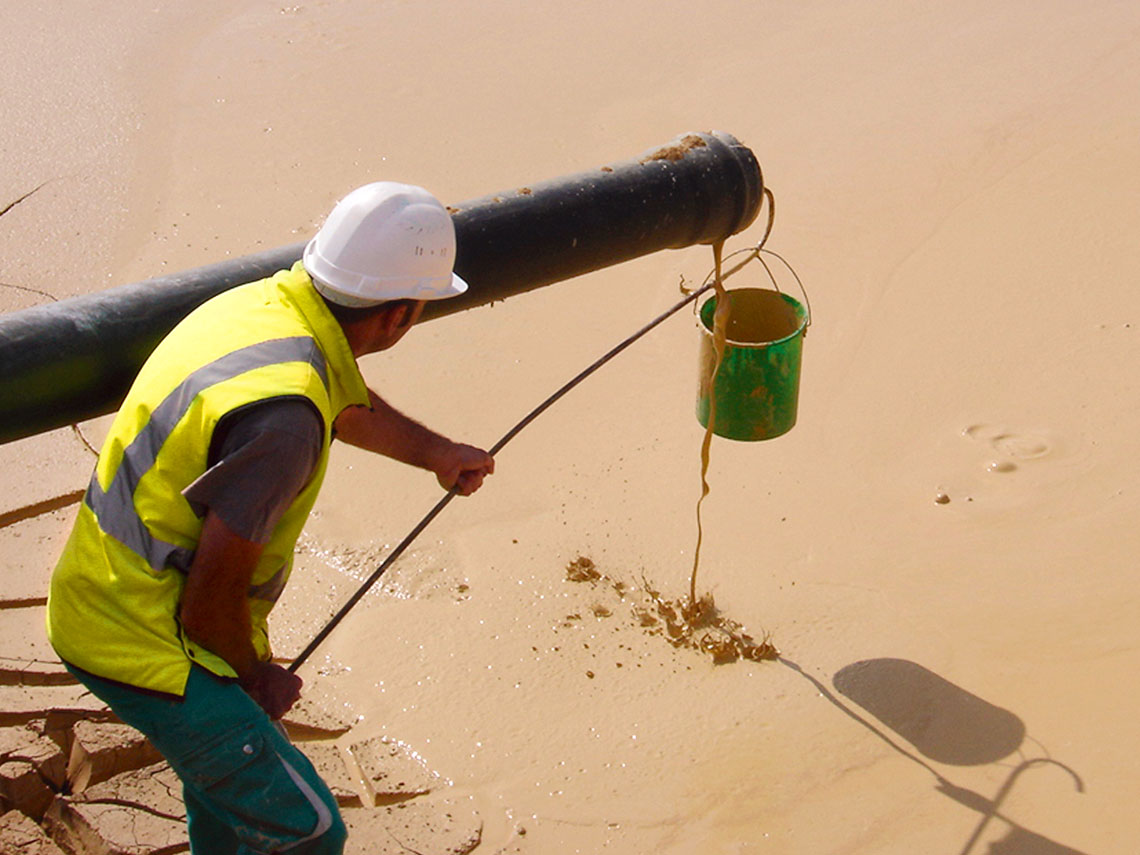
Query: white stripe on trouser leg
column 324, row 816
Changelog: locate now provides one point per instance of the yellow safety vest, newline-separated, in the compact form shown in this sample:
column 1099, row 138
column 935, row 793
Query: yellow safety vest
column 114, row 598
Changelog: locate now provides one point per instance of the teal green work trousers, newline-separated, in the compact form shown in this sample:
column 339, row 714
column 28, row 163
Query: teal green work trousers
column 248, row 790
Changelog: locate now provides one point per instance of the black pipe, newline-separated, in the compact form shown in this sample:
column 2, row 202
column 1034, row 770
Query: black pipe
column 75, row 359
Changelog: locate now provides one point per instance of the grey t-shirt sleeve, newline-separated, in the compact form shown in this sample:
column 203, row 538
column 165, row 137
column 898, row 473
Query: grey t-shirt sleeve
column 261, row 457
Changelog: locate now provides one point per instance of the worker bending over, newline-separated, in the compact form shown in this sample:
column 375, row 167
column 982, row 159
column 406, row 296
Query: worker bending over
column 185, row 537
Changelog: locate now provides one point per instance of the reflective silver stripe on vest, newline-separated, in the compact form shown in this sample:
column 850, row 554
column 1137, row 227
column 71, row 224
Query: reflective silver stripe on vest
column 115, row 508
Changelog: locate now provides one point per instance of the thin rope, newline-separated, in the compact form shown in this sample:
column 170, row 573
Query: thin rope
column 507, row 437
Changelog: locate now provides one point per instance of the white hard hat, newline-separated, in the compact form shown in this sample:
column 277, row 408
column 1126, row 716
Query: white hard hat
column 384, row 241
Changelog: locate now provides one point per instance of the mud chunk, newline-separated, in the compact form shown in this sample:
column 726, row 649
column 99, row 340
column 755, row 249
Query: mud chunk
column 677, row 150
column 310, row 718
column 702, row 626
column 22, row 786
column 101, row 750
column 33, row 672
column 22, row 639
column 644, row 617
column 60, row 704
column 21, row 836
column 327, row 759
column 31, row 544
column 392, row 770
column 32, row 769
column 48, row 758
column 722, row 650
column 441, row 826
column 136, row 813
column 582, row 569
column 13, row 739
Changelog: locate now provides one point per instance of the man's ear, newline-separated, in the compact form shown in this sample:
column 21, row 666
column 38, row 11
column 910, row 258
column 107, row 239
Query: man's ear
column 406, row 312
column 396, row 317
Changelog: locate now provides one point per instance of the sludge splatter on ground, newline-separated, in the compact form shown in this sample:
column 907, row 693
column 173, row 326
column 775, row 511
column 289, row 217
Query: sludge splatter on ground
column 696, row 626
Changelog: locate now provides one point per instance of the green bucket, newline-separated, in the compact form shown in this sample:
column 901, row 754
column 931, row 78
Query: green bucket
column 757, row 386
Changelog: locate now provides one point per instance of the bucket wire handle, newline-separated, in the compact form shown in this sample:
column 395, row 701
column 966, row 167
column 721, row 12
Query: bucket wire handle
column 796, row 276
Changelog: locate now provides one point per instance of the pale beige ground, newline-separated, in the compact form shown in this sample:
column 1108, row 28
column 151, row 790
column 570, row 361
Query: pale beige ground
column 957, row 184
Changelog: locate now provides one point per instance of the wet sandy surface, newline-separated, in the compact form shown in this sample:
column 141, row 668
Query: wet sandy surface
column 956, row 187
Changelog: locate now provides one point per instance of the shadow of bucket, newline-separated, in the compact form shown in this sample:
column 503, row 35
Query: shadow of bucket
column 757, row 387
column 943, row 721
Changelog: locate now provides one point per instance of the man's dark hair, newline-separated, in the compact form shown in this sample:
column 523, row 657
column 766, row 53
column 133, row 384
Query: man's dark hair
column 349, row 315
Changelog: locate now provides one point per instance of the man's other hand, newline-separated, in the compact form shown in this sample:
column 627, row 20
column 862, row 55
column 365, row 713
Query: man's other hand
column 275, row 689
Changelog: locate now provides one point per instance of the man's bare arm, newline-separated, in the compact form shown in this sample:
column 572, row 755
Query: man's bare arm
column 387, row 431
column 215, row 614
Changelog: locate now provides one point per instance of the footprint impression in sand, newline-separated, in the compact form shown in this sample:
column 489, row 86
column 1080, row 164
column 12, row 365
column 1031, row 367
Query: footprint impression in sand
column 1006, row 451
column 1011, row 447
